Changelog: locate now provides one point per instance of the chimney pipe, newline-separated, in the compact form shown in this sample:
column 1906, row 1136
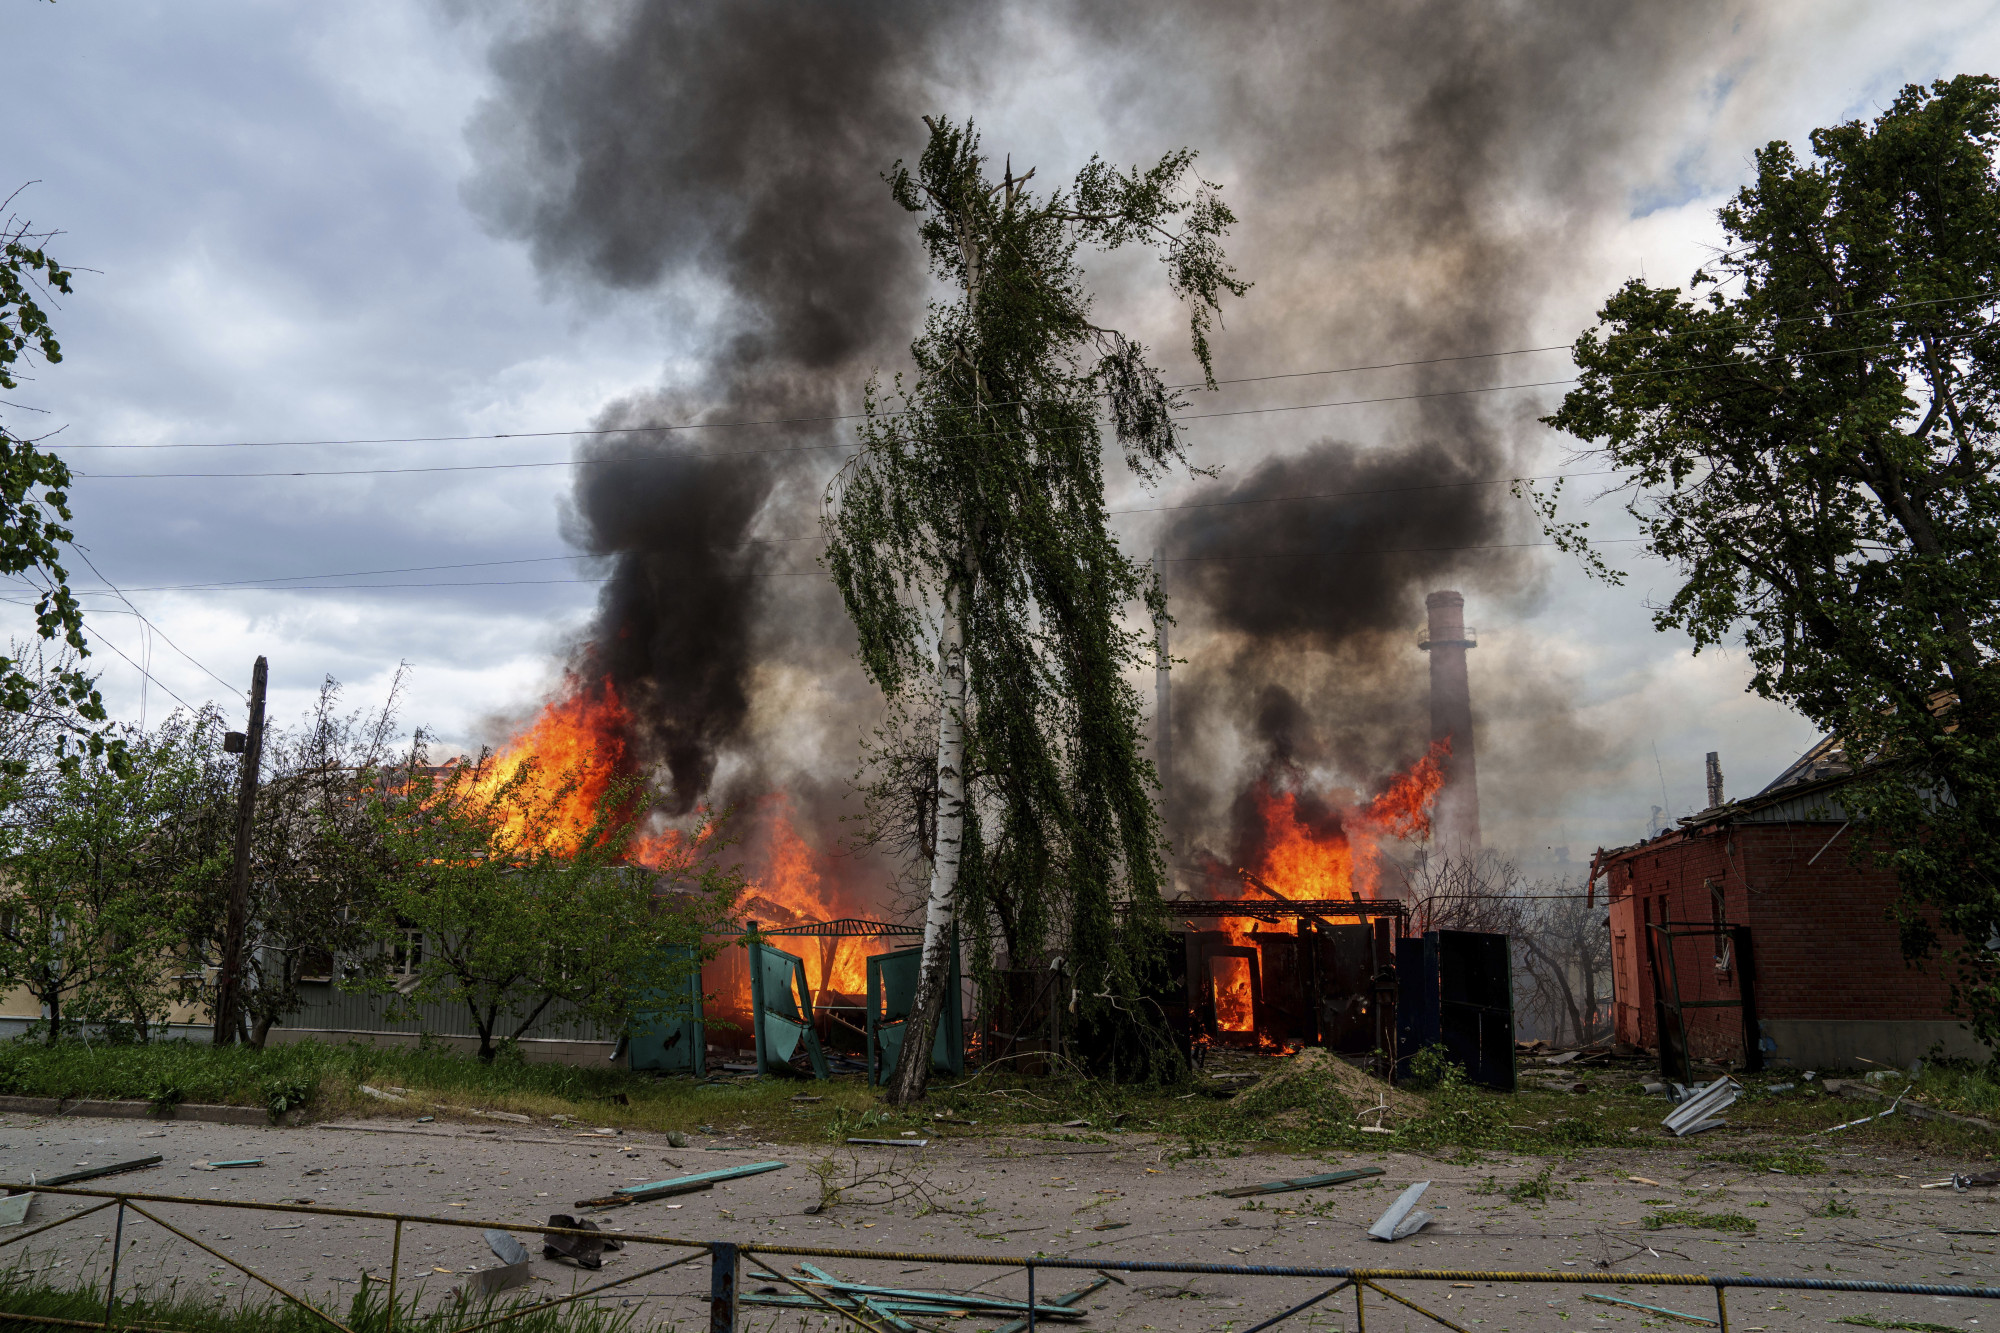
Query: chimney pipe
column 1714, row 779
column 1455, row 819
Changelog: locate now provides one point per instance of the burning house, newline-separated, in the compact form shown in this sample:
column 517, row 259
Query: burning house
column 1751, row 934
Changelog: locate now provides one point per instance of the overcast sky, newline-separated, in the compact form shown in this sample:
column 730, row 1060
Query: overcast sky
column 267, row 205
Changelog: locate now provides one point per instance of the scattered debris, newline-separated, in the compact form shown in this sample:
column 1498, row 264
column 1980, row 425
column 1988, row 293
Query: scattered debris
column 676, row 1139
column 1401, row 1219
column 93, row 1172
column 666, row 1189
column 225, row 1166
column 1375, row 1129
column 1075, row 1124
column 1642, row 1180
column 14, row 1208
column 583, row 1251
column 893, row 1143
column 488, row 1282
column 899, row 1301
column 1562, row 1059
column 426, row 1119
column 1849, row 1124
column 1698, row 1111
column 1649, row 1309
column 506, row 1246
column 1301, row 1183
column 381, row 1096
column 1781, row 1087
column 1066, row 1300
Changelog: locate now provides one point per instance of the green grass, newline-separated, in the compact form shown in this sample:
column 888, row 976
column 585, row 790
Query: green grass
column 1834, row 1208
column 325, row 1080
column 1791, row 1161
column 1537, row 1189
column 1688, row 1217
column 1200, row 1118
column 23, row 1293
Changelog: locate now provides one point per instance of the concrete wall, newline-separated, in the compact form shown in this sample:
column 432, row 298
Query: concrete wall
column 1844, row 1044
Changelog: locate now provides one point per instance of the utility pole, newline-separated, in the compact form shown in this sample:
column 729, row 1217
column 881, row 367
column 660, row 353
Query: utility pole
column 1163, row 713
column 229, row 982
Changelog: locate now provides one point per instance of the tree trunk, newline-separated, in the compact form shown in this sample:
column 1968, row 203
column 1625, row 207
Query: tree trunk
column 913, row 1063
column 54, row 1002
column 260, row 1032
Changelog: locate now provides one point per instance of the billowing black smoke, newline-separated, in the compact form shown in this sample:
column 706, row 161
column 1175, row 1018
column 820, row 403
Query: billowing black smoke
column 732, row 151
column 1412, row 180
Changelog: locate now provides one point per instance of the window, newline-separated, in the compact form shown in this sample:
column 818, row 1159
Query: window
column 406, row 960
column 315, row 965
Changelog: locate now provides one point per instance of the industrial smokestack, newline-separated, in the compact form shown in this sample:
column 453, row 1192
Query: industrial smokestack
column 1714, row 779
column 1455, row 821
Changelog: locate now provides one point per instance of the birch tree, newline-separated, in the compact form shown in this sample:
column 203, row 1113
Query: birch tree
column 969, row 540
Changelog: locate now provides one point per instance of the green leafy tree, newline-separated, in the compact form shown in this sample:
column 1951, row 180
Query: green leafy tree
column 95, row 858
column 318, row 858
column 969, row 541
column 1808, row 437
column 34, row 484
column 498, row 902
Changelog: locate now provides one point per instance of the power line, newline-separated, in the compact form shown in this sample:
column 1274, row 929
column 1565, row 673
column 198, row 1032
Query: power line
column 1344, row 552
column 970, row 435
column 150, row 625
column 855, row 416
column 147, row 674
column 224, row 584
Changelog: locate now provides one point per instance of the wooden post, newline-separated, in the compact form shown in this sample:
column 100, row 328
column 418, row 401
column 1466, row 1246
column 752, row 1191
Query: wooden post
column 229, row 983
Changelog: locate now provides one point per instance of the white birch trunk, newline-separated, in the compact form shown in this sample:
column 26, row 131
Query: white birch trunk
column 913, row 1065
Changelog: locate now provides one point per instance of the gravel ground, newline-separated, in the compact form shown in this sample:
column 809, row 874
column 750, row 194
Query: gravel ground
column 1128, row 1199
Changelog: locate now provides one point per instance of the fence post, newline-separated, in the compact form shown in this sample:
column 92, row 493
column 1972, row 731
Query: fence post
column 722, row 1287
column 111, row 1282
column 1031, row 1296
column 395, row 1262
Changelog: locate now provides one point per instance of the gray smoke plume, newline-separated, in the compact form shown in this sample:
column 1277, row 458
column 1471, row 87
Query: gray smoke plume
column 1411, row 179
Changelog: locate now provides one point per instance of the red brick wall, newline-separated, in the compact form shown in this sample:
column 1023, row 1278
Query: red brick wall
column 1823, row 946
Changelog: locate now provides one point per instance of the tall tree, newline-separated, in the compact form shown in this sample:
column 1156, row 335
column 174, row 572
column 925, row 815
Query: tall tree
column 1808, row 436
column 968, row 538
column 34, row 484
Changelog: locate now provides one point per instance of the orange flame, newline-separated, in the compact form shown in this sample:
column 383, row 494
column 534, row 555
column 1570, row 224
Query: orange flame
column 1339, row 859
column 1233, row 1008
column 577, row 749
column 1345, row 861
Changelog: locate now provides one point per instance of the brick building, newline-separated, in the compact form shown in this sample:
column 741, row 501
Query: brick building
column 1764, row 891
